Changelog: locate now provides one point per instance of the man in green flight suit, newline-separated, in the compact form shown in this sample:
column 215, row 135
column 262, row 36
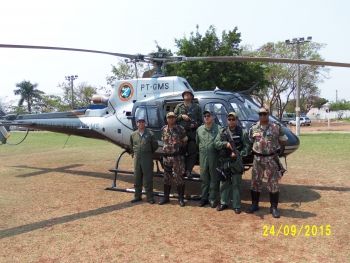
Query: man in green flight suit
column 143, row 144
column 230, row 163
column 205, row 139
column 189, row 116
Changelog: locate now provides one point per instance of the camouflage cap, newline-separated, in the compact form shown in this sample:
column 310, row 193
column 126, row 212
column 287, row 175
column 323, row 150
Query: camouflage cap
column 232, row 114
column 170, row 114
column 263, row 110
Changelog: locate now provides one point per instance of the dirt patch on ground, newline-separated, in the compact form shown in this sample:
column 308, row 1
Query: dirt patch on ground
column 54, row 209
column 323, row 126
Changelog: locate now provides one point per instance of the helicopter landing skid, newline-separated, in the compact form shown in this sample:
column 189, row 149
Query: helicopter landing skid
column 158, row 173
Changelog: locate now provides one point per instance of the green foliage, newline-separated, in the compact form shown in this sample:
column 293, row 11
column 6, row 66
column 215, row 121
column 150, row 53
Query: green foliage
column 29, row 93
column 342, row 105
column 125, row 70
column 82, row 95
column 305, row 104
column 203, row 75
column 51, row 103
column 319, row 102
column 18, row 109
column 282, row 77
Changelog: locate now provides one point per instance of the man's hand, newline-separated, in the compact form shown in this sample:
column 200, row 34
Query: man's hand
column 228, row 146
column 185, row 117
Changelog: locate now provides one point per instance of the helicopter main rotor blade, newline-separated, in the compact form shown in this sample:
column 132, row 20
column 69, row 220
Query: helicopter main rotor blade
column 267, row 59
column 71, row 49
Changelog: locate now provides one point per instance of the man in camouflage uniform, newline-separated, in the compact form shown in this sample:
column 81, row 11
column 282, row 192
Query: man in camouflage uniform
column 205, row 139
column 174, row 139
column 189, row 116
column 230, row 163
column 267, row 138
column 142, row 145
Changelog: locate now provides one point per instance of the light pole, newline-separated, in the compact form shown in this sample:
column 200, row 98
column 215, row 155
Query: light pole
column 71, row 79
column 298, row 42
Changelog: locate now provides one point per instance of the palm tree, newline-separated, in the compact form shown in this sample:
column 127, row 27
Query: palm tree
column 28, row 92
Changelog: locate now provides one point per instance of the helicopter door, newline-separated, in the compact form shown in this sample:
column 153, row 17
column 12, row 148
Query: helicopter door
column 220, row 112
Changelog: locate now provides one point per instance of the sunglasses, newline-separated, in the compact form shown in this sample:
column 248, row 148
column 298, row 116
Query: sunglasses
column 230, row 119
column 207, row 116
column 262, row 113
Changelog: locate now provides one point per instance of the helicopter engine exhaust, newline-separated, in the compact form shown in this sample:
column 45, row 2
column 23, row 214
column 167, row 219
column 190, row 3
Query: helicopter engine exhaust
column 4, row 135
column 99, row 99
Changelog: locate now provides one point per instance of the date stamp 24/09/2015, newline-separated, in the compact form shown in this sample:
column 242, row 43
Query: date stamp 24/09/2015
column 296, row 230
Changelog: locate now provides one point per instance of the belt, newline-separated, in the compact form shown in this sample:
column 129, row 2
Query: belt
column 264, row 155
column 171, row 154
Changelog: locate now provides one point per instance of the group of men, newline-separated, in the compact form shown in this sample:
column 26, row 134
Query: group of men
column 188, row 132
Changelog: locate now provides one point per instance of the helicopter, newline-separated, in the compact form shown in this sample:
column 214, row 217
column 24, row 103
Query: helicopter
column 151, row 97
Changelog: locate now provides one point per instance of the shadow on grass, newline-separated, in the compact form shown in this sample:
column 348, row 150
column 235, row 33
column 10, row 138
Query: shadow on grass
column 295, row 194
column 63, row 219
column 289, row 213
column 63, row 169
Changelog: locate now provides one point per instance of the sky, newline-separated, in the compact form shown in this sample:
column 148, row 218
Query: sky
column 133, row 26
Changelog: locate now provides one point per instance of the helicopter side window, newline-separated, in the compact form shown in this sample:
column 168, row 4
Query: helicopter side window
column 219, row 111
column 150, row 114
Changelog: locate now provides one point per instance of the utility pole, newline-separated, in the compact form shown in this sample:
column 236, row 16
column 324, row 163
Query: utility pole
column 336, row 95
column 298, row 42
column 71, row 80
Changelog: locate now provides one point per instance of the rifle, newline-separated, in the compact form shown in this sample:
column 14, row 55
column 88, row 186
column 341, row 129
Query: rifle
column 281, row 169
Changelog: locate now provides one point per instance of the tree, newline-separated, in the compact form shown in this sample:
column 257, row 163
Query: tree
column 51, row 103
column 29, row 93
column 281, row 78
column 318, row 102
column 2, row 109
column 125, row 70
column 341, row 105
column 82, row 94
column 234, row 76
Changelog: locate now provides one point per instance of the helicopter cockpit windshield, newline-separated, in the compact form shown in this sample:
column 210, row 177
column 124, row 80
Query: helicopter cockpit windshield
column 246, row 110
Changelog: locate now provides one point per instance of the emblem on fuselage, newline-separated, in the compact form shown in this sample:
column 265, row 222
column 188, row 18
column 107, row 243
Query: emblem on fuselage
column 125, row 91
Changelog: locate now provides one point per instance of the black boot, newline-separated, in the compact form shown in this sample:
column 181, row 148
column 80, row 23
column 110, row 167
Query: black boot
column 181, row 193
column 165, row 198
column 255, row 202
column 274, row 203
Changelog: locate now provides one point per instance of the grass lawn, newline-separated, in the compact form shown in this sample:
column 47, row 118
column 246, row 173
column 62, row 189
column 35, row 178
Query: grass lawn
column 53, row 208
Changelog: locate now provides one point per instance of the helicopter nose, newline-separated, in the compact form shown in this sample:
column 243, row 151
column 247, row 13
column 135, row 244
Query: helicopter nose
column 293, row 142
